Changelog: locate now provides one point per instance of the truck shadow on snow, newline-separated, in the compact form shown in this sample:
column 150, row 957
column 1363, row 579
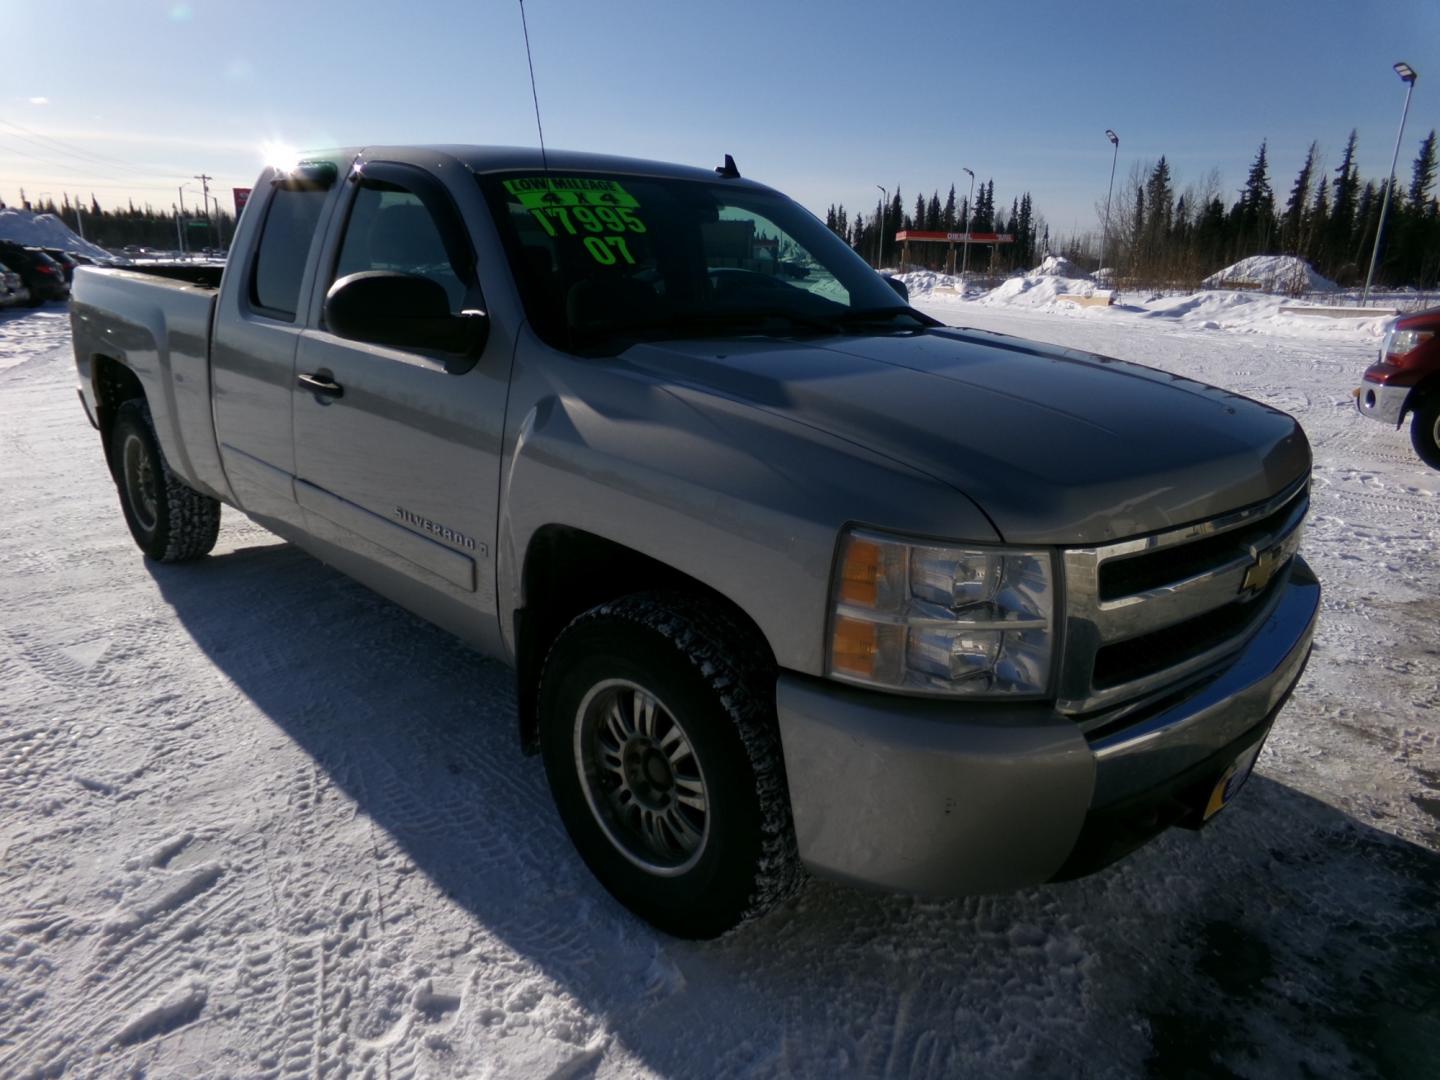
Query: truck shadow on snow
column 1285, row 939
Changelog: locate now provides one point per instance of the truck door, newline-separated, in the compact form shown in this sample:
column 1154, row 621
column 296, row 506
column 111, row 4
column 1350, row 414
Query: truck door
column 256, row 330
column 399, row 462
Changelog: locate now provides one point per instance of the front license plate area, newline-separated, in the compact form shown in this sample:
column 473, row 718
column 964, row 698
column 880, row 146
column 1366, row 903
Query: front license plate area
column 1231, row 780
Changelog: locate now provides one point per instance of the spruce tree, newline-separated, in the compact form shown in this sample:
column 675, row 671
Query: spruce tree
column 1317, row 225
column 1159, row 198
column 1137, row 225
column 1367, row 215
column 947, row 216
column 1422, row 174
column 1025, row 232
column 1295, row 208
column 1346, row 188
column 1254, row 214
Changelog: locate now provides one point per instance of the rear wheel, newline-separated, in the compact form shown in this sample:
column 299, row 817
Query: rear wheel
column 659, row 740
column 1425, row 429
column 170, row 521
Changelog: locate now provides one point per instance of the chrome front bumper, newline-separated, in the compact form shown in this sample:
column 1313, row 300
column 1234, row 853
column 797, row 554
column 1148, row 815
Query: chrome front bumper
column 1381, row 402
column 947, row 798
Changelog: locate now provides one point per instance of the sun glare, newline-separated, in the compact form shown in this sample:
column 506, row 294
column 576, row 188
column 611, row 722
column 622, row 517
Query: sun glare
column 279, row 155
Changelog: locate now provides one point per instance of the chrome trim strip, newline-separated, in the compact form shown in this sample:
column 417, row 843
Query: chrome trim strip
column 1099, row 699
column 1140, row 613
column 1187, row 533
column 1091, row 624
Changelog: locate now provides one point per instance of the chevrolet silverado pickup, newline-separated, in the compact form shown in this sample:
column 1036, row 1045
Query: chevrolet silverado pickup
column 1405, row 381
column 793, row 577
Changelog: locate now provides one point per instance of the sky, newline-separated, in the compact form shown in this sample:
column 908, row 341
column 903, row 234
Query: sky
column 821, row 100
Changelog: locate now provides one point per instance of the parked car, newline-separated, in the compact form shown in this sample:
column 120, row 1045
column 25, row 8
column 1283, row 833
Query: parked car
column 42, row 275
column 12, row 288
column 67, row 262
column 791, row 574
column 1405, row 381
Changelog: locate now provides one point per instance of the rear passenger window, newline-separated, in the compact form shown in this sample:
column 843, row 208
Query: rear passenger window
column 285, row 237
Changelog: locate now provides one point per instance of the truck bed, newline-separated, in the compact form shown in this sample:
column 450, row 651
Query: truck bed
column 156, row 320
column 206, row 275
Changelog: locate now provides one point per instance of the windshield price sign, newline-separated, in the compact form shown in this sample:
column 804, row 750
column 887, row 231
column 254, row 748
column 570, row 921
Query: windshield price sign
column 599, row 212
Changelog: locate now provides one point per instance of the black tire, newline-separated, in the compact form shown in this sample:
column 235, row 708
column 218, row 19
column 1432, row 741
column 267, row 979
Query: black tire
column 709, row 681
column 1425, row 429
column 170, row 521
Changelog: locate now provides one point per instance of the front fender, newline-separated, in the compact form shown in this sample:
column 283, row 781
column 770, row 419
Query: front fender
column 747, row 502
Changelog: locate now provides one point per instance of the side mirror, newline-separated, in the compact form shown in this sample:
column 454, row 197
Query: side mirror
column 404, row 311
column 899, row 286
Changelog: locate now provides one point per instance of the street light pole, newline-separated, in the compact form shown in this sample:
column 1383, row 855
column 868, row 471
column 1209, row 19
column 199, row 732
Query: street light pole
column 1407, row 75
column 1105, row 231
column 969, row 221
column 880, row 239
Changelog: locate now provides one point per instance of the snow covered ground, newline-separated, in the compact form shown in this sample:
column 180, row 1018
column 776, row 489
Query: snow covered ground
column 255, row 821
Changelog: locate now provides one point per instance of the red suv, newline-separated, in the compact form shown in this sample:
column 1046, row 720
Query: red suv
column 1406, row 379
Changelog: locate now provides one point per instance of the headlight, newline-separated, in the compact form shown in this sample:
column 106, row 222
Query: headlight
column 910, row 615
column 1400, row 342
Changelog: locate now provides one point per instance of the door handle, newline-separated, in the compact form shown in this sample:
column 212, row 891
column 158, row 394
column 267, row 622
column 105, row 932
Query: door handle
column 321, row 384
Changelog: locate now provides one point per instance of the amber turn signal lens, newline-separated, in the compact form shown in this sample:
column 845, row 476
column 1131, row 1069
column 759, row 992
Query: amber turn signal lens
column 854, row 647
column 860, row 574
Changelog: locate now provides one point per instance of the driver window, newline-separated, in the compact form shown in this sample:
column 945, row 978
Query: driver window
column 390, row 229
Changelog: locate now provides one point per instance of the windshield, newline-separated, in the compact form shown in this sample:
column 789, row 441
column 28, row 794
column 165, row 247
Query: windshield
column 606, row 260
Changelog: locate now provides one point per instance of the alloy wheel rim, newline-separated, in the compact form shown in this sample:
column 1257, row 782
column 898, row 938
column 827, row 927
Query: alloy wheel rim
column 642, row 779
column 140, row 483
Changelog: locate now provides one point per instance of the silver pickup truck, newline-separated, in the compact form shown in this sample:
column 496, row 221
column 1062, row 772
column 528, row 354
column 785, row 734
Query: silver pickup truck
column 792, row 577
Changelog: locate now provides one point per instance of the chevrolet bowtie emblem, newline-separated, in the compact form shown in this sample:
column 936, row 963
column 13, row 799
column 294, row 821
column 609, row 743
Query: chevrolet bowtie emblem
column 1266, row 563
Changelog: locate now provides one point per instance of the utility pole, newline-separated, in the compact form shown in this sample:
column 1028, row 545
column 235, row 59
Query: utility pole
column 969, row 227
column 205, row 185
column 79, row 219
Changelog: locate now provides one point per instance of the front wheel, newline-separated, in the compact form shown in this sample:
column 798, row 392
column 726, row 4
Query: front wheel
column 659, row 740
column 170, row 521
column 1425, row 429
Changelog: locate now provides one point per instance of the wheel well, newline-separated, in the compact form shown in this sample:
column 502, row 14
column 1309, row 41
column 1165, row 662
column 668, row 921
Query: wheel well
column 1427, row 387
column 114, row 385
column 569, row 571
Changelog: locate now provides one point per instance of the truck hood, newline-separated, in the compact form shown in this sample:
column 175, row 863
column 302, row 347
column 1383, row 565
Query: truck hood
column 1055, row 446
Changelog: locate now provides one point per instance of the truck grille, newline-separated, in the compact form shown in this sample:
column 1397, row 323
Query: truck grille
column 1146, row 615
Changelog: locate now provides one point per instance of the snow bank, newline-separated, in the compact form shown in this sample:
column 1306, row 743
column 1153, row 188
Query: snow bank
column 1037, row 290
column 45, row 230
column 924, row 282
column 1041, row 287
column 1271, row 273
column 1057, row 266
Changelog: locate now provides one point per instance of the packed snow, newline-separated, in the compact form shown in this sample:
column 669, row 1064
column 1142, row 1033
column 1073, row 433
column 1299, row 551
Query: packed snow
column 257, row 821
column 45, row 230
column 1273, row 273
